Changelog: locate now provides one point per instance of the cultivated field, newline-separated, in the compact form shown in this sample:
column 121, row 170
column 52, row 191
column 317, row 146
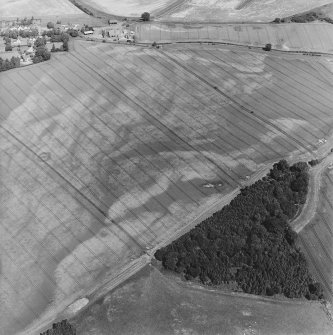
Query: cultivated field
column 127, row 7
column 153, row 303
column 105, row 151
column 316, row 239
column 288, row 37
column 236, row 10
column 36, row 8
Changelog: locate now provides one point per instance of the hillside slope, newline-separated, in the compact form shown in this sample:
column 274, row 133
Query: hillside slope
column 36, row 8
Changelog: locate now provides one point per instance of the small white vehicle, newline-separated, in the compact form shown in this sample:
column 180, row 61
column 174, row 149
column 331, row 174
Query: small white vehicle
column 208, row 185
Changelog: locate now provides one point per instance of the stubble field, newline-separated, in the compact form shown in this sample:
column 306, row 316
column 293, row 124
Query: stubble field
column 106, row 151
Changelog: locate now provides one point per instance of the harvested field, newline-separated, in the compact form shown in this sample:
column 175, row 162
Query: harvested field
column 237, row 10
column 154, row 303
column 105, row 152
column 36, row 8
column 288, row 37
column 316, row 239
column 131, row 8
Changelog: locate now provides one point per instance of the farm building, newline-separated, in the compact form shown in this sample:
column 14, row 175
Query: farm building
column 16, row 43
column 113, row 32
column 30, row 50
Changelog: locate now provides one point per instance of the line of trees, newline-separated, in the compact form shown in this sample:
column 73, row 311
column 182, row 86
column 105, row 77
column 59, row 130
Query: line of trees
column 250, row 241
column 14, row 34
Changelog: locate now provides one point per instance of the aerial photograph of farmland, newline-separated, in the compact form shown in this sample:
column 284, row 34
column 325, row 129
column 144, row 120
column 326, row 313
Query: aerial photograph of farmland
column 166, row 167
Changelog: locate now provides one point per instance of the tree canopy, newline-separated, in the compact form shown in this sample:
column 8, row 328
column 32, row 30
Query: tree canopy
column 145, row 16
column 250, row 241
column 61, row 328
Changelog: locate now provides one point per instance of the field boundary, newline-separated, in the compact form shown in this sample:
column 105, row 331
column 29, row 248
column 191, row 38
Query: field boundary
column 251, row 35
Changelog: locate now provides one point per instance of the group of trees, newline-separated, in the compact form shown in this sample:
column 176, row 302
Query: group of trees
column 14, row 34
column 305, row 17
column 250, row 241
column 41, row 52
column 6, row 64
column 145, row 16
column 61, row 328
column 56, row 35
column 310, row 17
column 25, row 21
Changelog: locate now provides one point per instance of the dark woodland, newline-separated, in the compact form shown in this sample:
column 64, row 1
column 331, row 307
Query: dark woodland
column 250, row 241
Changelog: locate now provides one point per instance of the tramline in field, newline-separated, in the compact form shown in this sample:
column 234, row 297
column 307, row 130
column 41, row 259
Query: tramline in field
column 316, row 238
column 106, row 151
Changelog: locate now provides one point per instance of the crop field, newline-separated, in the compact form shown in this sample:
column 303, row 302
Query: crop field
column 105, row 152
column 36, row 8
column 293, row 37
column 236, row 10
column 154, row 303
column 128, row 7
column 316, row 239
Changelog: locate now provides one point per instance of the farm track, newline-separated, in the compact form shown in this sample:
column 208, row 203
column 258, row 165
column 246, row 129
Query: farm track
column 243, row 109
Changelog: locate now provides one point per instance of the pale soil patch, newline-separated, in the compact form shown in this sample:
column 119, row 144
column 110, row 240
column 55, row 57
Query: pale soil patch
column 286, row 124
column 77, row 306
